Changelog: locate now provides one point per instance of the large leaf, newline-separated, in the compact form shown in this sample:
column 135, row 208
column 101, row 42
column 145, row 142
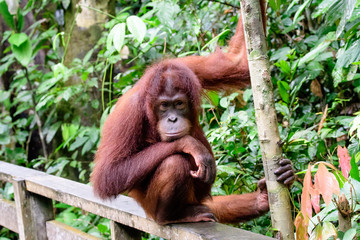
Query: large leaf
column 21, row 47
column 326, row 183
column 319, row 49
column 137, row 27
column 349, row 9
column 8, row 18
column 298, row 16
column 118, row 36
column 167, row 12
column 306, row 208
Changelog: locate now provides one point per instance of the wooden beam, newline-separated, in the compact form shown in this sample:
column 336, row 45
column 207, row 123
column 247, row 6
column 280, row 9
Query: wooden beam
column 60, row 231
column 8, row 217
column 32, row 212
column 119, row 231
column 123, row 210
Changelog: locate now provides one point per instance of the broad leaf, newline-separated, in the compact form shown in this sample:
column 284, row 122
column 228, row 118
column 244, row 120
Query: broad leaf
column 18, row 38
column 21, row 47
column 326, row 183
column 8, row 18
column 167, row 12
column 118, row 36
column 137, row 27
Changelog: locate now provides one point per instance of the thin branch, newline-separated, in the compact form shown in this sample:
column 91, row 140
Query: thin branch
column 225, row 3
column 37, row 118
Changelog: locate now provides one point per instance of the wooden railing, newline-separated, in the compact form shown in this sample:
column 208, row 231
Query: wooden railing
column 32, row 216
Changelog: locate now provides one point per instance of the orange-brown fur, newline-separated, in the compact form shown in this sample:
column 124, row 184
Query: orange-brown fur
column 131, row 156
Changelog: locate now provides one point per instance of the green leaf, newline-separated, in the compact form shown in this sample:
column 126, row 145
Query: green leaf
column 350, row 55
column 68, row 131
column 214, row 97
column 283, row 90
column 319, row 49
column 4, row 95
column 224, row 102
column 349, row 234
column 299, row 11
column 21, row 47
column 215, row 39
column 69, row 218
column 323, row 8
column 78, row 143
column 102, row 228
column 119, row 35
column 280, row 54
column 8, row 18
column 167, row 12
column 137, row 27
column 354, row 172
column 247, row 95
column 52, row 131
column 18, row 38
column 349, row 9
column 284, row 67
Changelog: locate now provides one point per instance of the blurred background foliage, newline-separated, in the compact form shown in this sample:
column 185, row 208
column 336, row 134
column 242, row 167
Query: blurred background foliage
column 60, row 78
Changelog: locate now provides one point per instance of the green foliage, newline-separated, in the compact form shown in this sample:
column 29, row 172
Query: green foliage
column 89, row 223
column 314, row 49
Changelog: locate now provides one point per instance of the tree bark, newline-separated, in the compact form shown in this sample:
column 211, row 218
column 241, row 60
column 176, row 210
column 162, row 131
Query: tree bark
column 84, row 24
column 266, row 119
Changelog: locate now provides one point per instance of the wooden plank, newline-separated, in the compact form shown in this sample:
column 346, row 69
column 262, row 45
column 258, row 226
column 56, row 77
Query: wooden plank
column 23, row 210
column 9, row 171
column 8, row 217
column 32, row 212
column 119, row 231
column 41, row 212
column 123, row 209
column 126, row 211
column 60, row 231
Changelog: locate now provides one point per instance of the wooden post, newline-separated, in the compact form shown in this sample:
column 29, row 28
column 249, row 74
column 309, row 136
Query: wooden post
column 119, row 231
column 266, row 120
column 32, row 212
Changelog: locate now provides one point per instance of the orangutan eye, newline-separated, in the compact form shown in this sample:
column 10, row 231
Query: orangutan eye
column 164, row 106
column 179, row 104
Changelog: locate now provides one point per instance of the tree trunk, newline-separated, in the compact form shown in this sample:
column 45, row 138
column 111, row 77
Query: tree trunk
column 266, row 120
column 84, row 23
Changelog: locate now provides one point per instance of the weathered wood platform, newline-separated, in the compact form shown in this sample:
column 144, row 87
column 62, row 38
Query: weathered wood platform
column 31, row 215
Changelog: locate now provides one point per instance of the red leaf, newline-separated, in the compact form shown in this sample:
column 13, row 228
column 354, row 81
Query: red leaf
column 315, row 201
column 306, row 209
column 344, row 160
column 326, row 183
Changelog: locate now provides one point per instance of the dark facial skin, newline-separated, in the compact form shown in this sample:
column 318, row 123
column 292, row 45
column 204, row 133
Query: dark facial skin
column 173, row 111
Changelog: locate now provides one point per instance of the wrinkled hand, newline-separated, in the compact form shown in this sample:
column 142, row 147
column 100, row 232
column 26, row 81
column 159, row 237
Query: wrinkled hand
column 285, row 175
column 204, row 160
column 262, row 203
